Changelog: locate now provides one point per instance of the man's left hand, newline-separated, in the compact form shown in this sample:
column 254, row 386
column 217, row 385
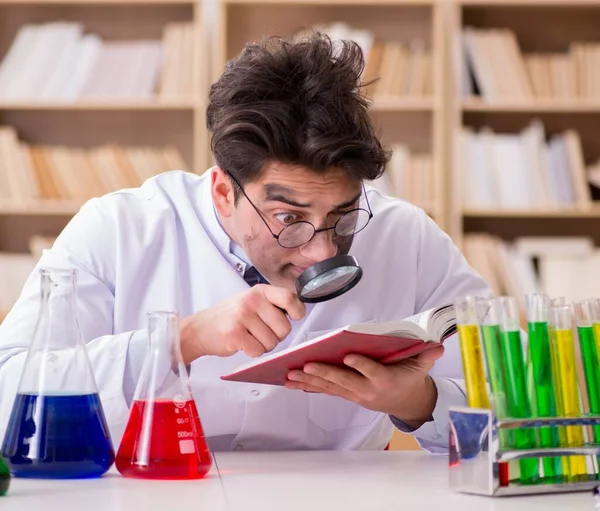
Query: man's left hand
column 404, row 390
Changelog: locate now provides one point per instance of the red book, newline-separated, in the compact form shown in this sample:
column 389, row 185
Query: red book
column 385, row 342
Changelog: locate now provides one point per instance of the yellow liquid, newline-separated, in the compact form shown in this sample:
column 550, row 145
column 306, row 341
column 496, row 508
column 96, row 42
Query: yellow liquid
column 472, row 359
column 567, row 393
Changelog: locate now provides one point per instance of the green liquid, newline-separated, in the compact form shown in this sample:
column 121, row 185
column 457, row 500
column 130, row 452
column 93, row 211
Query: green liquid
column 4, row 477
column 518, row 402
column 541, row 394
column 591, row 370
column 496, row 375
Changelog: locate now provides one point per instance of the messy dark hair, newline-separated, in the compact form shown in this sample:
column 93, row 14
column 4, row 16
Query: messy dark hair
column 297, row 102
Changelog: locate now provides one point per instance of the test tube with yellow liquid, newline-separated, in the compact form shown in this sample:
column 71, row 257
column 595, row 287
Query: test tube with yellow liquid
column 471, row 352
column 567, row 386
column 517, row 398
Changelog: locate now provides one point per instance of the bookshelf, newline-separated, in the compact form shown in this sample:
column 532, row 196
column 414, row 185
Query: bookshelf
column 524, row 112
column 411, row 115
column 158, row 105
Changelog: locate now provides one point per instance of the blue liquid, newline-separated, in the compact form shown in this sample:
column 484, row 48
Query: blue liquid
column 58, row 437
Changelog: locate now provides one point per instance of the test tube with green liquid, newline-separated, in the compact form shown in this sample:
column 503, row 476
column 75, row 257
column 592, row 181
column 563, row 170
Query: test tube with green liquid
column 4, row 477
column 566, row 385
column 596, row 324
column 471, row 352
column 517, row 400
column 539, row 367
column 584, row 317
column 488, row 316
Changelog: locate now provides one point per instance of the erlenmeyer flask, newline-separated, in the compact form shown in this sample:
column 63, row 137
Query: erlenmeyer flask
column 4, row 477
column 57, row 428
column 163, row 438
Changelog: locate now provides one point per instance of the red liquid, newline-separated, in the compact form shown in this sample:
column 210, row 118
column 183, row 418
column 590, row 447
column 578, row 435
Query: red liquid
column 164, row 442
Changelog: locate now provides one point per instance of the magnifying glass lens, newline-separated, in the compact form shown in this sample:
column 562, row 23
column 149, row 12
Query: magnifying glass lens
column 329, row 282
column 328, row 279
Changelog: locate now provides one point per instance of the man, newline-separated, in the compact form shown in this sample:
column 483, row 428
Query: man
column 294, row 145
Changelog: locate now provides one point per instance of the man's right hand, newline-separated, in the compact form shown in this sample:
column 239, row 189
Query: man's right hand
column 253, row 322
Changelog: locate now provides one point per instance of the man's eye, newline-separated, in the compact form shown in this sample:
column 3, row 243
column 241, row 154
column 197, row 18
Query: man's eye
column 286, row 218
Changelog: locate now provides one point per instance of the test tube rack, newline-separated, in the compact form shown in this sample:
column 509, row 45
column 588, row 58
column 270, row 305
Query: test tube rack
column 475, row 456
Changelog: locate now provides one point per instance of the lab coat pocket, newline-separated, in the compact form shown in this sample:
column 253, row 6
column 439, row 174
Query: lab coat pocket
column 331, row 413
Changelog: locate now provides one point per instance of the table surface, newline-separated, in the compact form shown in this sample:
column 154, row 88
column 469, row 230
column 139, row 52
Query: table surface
column 285, row 481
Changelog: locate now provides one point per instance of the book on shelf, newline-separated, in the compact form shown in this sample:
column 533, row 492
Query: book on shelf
column 401, row 70
column 59, row 62
column 408, row 176
column 566, row 266
column 386, row 343
column 524, row 171
column 43, row 172
column 493, row 67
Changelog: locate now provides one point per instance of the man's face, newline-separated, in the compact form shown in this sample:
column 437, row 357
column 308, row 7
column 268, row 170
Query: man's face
column 285, row 194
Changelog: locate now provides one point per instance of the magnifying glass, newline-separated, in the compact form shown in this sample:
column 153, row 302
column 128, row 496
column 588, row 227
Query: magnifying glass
column 328, row 279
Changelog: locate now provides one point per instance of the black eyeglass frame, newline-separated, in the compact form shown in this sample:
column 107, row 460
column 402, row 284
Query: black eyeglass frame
column 315, row 230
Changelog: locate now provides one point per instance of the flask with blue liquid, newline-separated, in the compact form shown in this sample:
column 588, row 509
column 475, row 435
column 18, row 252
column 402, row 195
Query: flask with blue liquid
column 57, row 428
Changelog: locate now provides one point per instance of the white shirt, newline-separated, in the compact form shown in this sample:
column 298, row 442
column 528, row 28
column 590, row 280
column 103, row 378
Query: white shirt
column 161, row 247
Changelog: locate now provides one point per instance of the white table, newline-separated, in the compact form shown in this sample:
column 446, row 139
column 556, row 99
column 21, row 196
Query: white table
column 295, row 481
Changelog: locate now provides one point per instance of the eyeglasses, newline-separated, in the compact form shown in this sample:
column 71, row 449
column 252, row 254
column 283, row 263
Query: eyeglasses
column 301, row 232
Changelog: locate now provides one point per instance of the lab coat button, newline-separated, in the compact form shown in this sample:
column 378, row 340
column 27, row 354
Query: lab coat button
column 239, row 448
column 256, row 392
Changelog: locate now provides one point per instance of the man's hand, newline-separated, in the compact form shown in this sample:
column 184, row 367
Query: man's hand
column 253, row 322
column 404, row 390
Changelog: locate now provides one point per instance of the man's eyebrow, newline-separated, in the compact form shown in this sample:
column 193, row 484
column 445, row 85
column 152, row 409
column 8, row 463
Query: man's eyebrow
column 348, row 203
column 277, row 193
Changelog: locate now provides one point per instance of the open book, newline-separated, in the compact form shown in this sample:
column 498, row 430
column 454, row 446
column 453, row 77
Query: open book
column 384, row 342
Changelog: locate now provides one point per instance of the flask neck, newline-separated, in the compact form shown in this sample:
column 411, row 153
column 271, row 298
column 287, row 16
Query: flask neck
column 163, row 336
column 58, row 290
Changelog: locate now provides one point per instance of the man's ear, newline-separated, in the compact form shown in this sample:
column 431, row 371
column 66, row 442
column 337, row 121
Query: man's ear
column 222, row 192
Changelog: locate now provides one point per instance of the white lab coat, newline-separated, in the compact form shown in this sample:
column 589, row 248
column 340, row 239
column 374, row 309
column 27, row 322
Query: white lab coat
column 160, row 247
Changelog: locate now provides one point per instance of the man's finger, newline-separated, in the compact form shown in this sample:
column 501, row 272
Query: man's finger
column 365, row 366
column 275, row 318
column 428, row 358
column 321, row 387
column 262, row 332
column 286, row 300
column 329, row 377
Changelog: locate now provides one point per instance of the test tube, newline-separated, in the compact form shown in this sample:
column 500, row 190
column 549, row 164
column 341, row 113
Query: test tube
column 584, row 316
column 489, row 322
column 539, row 369
column 566, row 385
column 489, row 325
column 596, row 324
column 471, row 352
column 516, row 384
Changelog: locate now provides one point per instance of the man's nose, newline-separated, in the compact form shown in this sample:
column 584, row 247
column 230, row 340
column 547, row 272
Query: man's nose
column 320, row 247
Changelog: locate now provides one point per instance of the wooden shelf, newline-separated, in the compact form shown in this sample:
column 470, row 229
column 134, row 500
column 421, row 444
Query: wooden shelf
column 400, row 3
column 101, row 105
column 45, row 208
column 403, row 105
column 98, row 2
column 529, row 3
column 538, row 106
column 592, row 212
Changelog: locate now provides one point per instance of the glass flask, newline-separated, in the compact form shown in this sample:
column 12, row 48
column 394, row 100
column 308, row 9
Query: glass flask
column 4, row 477
column 57, row 428
column 163, row 438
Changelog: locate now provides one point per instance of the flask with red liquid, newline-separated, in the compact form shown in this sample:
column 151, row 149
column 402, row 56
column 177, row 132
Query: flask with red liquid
column 163, row 438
